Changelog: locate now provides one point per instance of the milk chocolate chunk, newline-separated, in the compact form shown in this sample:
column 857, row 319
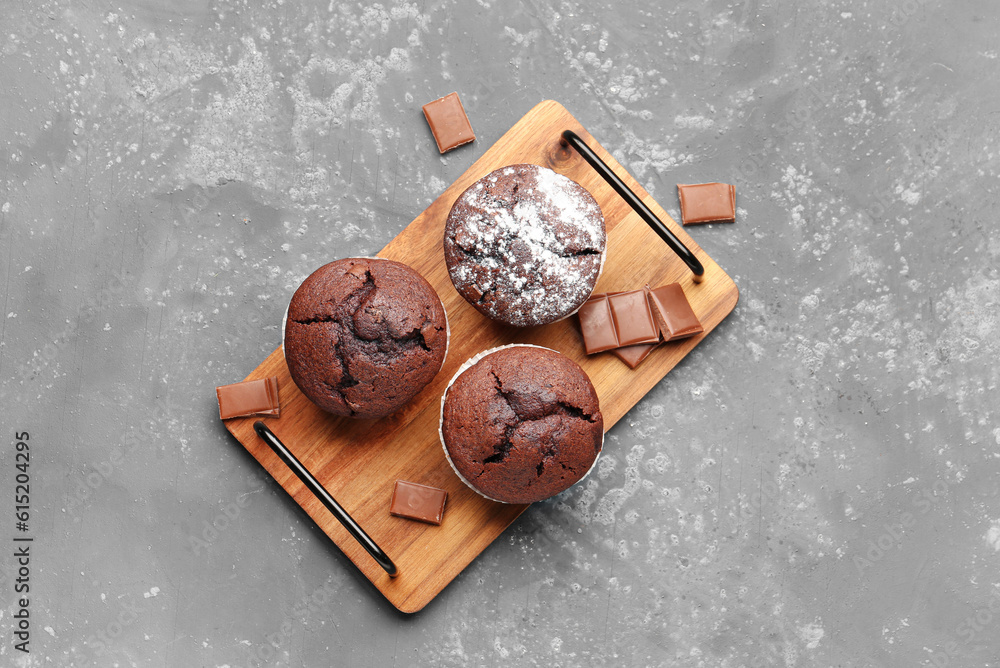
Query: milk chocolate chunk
column 673, row 312
column 449, row 124
column 418, row 502
column 633, row 318
column 251, row 397
column 707, row 203
column 597, row 326
column 633, row 355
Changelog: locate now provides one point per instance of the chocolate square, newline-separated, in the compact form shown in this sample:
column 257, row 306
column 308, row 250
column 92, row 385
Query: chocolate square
column 707, row 203
column 633, row 318
column 597, row 326
column 674, row 313
column 633, row 355
column 449, row 124
column 418, row 502
column 251, row 397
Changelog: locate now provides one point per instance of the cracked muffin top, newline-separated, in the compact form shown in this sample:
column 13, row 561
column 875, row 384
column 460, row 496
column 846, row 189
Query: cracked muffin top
column 525, row 245
column 521, row 423
column 364, row 336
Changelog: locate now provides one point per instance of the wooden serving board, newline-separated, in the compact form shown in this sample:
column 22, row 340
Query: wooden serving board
column 358, row 461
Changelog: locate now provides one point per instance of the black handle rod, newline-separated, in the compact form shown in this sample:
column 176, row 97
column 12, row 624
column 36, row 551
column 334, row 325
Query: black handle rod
column 630, row 197
column 331, row 503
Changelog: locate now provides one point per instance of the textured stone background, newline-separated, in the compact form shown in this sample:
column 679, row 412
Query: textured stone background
column 815, row 486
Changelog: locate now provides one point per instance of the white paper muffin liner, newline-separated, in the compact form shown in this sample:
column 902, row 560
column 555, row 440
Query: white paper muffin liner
column 468, row 363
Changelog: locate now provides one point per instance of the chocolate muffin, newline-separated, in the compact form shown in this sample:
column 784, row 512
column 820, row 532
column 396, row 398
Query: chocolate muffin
column 525, row 245
column 521, row 423
column 363, row 336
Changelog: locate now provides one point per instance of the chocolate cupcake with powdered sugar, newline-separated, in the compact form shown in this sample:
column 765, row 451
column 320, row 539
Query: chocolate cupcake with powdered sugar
column 525, row 245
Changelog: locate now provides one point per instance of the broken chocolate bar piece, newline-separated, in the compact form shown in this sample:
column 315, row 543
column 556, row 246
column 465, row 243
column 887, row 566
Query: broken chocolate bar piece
column 251, row 397
column 673, row 312
column 418, row 502
column 633, row 355
column 707, row 203
column 633, row 318
column 631, row 324
column 597, row 325
column 449, row 124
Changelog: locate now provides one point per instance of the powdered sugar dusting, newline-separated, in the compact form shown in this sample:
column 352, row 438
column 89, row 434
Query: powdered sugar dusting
column 525, row 245
column 582, row 214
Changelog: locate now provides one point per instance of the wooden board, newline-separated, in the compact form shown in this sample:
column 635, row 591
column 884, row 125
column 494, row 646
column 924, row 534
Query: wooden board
column 359, row 460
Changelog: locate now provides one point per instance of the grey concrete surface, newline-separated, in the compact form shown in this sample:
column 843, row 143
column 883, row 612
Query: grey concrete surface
column 817, row 485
